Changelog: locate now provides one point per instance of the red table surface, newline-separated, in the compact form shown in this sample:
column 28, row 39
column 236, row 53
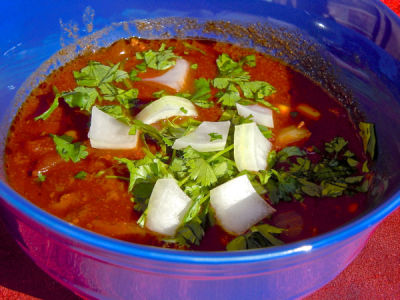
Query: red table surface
column 374, row 274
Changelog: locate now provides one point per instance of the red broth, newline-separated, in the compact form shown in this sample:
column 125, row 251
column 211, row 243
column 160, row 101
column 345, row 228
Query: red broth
column 103, row 205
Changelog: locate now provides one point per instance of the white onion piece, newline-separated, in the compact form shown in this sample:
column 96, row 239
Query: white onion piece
column 175, row 77
column 237, row 205
column 261, row 115
column 108, row 133
column 200, row 138
column 251, row 148
column 166, row 107
column 167, row 207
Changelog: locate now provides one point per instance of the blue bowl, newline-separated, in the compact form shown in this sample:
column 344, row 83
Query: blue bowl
column 358, row 42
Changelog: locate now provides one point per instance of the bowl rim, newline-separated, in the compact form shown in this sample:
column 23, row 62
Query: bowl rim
column 78, row 235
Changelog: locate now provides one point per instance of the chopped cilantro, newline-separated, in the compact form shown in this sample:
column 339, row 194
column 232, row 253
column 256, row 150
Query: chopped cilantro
column 151, row 132
column 215, row 136
column 194, row 66
column 182, row 109
column 162, row 59
column 190, row 46
column 293, row 174
column 143, row 175
column 267, row 133
column 127, row 98
column 133, row 75
column 96, row 74
column 80, row 175
column 256, row 89
column 202, row 93
column 82, row 97
column 48, row 112
column 233, row 80
column 159, row 94
column 260, row 236
column 367, row 133
column 67, row 150
column 41, row 177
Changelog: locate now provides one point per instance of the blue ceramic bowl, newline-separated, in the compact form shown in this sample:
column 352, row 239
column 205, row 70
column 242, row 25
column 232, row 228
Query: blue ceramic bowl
column 359, row 40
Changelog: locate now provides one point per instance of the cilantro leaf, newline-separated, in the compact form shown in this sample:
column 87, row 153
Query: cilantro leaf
column 336, row 145
column 367, row 133
column 256, row 89
column 267, row 132
column 143, row 175
column 192, row 47
column 202, row 93
column 230, row 96
column 199, row 169
column 191, row 232
column 133, row 75
column 151, row 132
column 232, row 69
column 127, row 98
column 41, row 177
column 95, row 74
column 215, row 136
column 80, row 175
column 159, row 94
column 162, row 59
column 50, row 110
column 81, row 97
column 260, row 236
column 67, row 150
column 232, row 76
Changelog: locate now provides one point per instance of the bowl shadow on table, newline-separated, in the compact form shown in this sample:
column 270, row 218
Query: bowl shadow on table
column 20, row 274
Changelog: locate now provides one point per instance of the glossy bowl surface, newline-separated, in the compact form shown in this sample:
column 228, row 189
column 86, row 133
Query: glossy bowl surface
column 361, row 39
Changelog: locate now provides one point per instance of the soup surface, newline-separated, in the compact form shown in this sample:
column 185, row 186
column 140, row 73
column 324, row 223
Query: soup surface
column 314, row 174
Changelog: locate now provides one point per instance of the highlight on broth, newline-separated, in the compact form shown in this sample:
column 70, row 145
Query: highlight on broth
column 189, row 144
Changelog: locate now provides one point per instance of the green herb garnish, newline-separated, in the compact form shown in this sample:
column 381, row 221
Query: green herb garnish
column 260, row 236
column 233, row 80
column 80, row 175
column 162, row 59
column 41, row 177
column 215, row 136
column 67, row 150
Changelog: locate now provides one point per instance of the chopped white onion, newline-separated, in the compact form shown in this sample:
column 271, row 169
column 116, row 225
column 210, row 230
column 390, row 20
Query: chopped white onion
column 201, row 139
column 175, row 77
column 108, row 133
column 166, row 107
column 167, row 207
column 237, row 205
column 261, row 115
column 251, row 148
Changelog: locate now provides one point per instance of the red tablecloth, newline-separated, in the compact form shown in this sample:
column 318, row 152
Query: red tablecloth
column 374, row 274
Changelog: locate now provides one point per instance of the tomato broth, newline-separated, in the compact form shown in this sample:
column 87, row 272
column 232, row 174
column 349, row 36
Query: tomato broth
column 99, row 200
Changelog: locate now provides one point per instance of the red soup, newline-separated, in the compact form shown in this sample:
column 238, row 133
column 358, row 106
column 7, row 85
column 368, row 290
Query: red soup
column 188, row 144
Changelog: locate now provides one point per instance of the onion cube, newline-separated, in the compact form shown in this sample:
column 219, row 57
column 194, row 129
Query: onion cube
column 237, row 205
column 175, row 78
column 261, row 114
column 251, row 148
column 108, row 133
column 166, row 107
column 167, row 207
column 208, row 137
